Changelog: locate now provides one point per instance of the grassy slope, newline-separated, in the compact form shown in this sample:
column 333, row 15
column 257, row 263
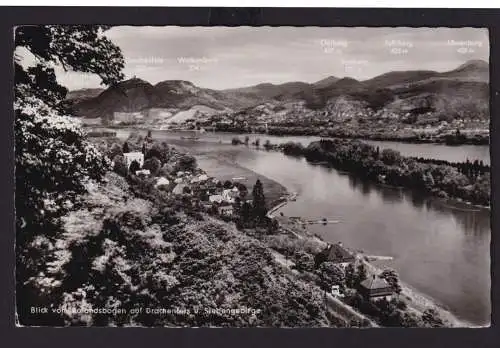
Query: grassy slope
column 151, row 262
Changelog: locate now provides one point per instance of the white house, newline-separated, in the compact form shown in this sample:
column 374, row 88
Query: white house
column 134, row 156
column 162, row 182
column 179, row 189
column 215, row 199
column 229, row 195
column 179, row 180
column 226, row 210
column 143, row 172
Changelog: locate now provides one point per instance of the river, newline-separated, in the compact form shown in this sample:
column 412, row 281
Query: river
column 437, row 151
column 440, row 249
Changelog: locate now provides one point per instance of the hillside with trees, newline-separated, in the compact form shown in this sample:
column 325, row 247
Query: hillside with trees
column 467, row 181
column 397, row 99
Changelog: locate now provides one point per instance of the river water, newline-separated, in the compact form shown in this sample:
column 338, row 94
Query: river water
column 440, row 249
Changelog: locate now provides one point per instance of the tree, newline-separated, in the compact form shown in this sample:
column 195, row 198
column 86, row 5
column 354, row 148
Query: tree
column 159, row 151
column 273, row 226
column 390, row 156
column 293, row 149
column 304, row 262
column 361, row 274
column 186, row 163
column 350, row 275
column 125, row 148
column 267, row 145
column 227, row 184
column 243, row 190
column 53, row 159
column 246, row 211
column 82, row 48
column 153, row 165
column 134, row 166
column 392, row 278
column 331, row 274
column 259, row 201
column 237, row 206
column 120, row 166
column 431, row 318
column 115, row 150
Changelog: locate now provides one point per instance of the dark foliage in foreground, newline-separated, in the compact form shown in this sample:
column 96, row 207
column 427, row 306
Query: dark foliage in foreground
column 132, row 253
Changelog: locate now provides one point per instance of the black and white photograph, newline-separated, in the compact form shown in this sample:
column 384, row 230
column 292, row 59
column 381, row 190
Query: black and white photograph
column 267, row 176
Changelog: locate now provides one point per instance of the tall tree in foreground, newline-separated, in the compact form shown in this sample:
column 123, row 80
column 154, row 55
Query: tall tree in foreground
column 53, row 159
column 259, row 201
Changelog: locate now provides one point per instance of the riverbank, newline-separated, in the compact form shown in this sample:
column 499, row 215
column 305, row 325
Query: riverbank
column 444, row 139
column 467, row 181
column 416, row 301
column 452, row 137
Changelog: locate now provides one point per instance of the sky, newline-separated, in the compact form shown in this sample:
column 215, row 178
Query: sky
column 232, row 57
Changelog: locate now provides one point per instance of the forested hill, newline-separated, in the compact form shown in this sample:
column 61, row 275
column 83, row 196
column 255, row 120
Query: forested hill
column 461, row 92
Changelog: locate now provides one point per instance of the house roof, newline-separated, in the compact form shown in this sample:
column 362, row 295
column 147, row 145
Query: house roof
column 134, row 155
column 375, row 283
column 162, row 181
column 178, row 189
column 337, row 253
column 143, row 171
column 214, row 198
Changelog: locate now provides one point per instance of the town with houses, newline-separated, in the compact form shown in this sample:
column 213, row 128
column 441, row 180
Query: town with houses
column 207, row 192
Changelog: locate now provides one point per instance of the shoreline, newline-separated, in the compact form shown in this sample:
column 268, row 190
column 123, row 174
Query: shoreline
column 416, row 300
column 484, row 141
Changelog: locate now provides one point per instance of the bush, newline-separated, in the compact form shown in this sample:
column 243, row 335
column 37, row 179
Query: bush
column 159, row 151
column 115, row 150
column 331, row 274
column 186, row 163
column 431, row 318
column 293, row 149
column 303, row 261
column 52, row 161
column 120, row 166
column 134, row 166
column 153, row 164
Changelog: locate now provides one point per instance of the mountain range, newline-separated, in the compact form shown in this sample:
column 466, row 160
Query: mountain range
column 462, row 91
